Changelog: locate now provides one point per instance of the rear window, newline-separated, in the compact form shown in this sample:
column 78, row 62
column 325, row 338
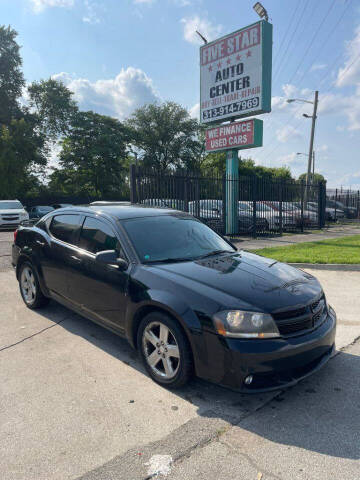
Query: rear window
column 96, row 236
column 63, row 227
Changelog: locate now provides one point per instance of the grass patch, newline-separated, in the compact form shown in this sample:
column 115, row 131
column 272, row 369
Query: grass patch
column 339, row 250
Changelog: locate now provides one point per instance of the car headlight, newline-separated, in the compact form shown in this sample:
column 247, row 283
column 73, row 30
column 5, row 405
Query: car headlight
column 24, row 215
column 242, row 324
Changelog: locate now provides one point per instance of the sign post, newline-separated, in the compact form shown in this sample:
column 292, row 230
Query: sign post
column 235, row 82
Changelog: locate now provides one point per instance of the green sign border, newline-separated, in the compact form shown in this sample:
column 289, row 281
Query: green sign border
column 258, row 137
column 266, row 54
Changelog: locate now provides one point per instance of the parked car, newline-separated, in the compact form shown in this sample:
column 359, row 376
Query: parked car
column 330, row 213
column 61, row 205
column 211, row 211
column 270, row 214
column 39, row 211
column 12, row 213
column 292, row 210
column 179, row 293
column 348, row 212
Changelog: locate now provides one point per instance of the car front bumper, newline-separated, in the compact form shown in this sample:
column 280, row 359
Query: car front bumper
column 273, row 363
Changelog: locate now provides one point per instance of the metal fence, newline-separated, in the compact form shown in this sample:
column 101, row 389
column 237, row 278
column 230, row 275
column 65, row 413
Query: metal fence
column 342, row 204
column 264, row 206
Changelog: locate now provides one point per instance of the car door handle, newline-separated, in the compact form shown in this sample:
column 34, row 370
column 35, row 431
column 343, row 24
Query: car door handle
column 75, row 259
column 39, row 242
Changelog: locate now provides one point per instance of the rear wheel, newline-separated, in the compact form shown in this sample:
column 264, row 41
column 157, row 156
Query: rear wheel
column 30, row 288
column 165, row 350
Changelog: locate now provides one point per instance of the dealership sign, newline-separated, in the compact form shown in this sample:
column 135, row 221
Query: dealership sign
column 235, row 74
column 239, row 135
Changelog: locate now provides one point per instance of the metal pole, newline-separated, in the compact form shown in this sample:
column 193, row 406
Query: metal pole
column 308, row 174
column 232, row 190
column 313, row 167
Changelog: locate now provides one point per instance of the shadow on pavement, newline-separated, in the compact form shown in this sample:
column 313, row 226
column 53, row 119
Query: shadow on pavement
column 321, row 414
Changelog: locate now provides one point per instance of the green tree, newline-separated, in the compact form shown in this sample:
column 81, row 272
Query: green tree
column 216, row 163
column 166, row 137
column 22, row 158
column 11, row 76
column 93, row 157
column 316, row 178
column 51, row 101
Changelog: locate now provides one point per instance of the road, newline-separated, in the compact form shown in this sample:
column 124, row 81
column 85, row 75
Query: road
column 75, row 402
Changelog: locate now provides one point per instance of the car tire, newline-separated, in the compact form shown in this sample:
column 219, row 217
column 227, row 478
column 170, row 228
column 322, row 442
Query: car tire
column 30, row 288
column 163, row 367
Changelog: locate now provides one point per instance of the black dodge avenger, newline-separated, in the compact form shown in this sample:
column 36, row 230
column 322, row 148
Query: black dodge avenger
column 181, row 294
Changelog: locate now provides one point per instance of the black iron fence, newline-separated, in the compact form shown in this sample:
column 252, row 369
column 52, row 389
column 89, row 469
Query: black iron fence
column 263, row 206
column 342, row 204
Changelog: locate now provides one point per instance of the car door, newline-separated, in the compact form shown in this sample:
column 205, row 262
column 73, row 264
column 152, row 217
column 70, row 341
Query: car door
column 100, row 290
column 57, row 254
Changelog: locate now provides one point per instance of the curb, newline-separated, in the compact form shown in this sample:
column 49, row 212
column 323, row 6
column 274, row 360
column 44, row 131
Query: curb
column 341, row 267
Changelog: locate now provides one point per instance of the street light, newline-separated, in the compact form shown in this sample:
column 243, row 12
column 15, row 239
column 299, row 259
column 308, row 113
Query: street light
column 261, row 11
column 290, row 100
column 202, row 37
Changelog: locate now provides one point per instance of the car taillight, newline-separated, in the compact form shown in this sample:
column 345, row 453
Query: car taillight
column 15, row 235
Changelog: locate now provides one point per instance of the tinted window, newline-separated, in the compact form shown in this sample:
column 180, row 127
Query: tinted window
column 63, row 227
column 172, row 237
column 96, row 236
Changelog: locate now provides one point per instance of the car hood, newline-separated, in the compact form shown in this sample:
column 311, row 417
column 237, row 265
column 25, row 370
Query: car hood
column 15, row 211
column 244, row 279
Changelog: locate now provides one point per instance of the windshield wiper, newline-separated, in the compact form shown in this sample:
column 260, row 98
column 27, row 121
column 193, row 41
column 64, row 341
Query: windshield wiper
column 214, row 252
column 171, row 260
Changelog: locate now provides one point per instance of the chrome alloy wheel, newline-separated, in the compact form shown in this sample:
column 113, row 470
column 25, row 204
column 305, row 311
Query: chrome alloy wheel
column 161, row 350
column 28, row 285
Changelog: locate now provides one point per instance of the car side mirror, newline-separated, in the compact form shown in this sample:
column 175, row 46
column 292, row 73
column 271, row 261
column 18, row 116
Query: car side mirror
column 110, row 257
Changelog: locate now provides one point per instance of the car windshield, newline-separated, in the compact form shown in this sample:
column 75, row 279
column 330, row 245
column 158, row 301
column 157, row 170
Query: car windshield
column 11, row 205
column 173, row 237
column 45, row 209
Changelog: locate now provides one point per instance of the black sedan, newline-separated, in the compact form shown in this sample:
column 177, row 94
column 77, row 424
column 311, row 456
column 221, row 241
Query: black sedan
column 181, row 294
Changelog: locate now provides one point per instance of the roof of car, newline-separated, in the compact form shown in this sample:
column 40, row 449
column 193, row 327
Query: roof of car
column 122, row 211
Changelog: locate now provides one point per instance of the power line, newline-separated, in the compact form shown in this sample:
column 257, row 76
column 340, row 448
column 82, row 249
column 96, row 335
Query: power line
column 340, row 56
column 332, row 30
column 312, row 40
column 289, row 43
column 342, row 74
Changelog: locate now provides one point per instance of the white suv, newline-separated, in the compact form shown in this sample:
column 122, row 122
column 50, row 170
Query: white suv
column 12, row 213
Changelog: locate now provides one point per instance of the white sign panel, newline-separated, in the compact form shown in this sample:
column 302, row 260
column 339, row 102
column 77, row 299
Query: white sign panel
column 235, row 74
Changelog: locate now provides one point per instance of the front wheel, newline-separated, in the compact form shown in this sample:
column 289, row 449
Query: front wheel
column 165, row 350
column 30, row 288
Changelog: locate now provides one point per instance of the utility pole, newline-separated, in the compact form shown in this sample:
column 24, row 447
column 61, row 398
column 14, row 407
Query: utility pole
column 310, row 157
column 313, row 167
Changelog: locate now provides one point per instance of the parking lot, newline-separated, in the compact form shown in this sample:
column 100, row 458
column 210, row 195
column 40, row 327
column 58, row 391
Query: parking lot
column 76, row 402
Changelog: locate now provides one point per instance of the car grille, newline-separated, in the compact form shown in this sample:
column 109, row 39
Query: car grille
column 301, row 319
column 9, row 216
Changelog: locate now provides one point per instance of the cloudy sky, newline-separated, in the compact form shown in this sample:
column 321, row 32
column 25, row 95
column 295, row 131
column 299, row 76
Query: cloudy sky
column 116, row 55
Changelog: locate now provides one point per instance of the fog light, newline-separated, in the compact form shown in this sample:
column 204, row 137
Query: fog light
column 248, row 379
